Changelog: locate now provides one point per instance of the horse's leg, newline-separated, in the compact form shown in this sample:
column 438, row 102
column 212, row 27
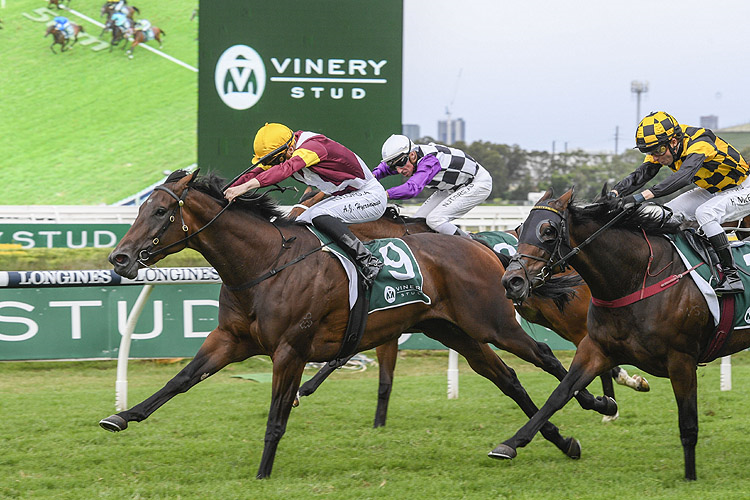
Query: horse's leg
column 312, row 385
column 52, row 47
column 609, row 390
column 588, row 362
column 387, row 356
column 682, row 374
column 515, row 340
column 218, row 350
column 487, row 363
column 287, row 372
column 635, row 382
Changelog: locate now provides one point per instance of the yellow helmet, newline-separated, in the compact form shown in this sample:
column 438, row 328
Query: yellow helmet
column 656, row 129
column 271, row 138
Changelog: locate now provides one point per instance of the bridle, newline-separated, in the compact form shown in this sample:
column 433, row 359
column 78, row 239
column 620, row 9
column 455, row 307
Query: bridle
column 148, row 253
column 553, row 246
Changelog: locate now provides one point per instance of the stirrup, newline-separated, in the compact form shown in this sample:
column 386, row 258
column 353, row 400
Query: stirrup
column 730, row 284
column 370, row 272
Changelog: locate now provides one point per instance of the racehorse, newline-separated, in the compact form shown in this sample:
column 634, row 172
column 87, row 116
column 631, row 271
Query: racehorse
column 118, row 35
column 564, row 313
column 297, row 312
column 665, row 334
column 140, row 36
column 57, row 3
column 60, row 38
column 109, row 8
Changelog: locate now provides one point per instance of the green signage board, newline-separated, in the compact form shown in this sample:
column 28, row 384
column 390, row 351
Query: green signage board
column 87, row 322
column 331, row 67
column 62, row 235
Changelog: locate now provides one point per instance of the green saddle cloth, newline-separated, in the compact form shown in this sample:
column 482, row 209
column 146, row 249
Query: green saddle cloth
column 741, row 254
column 500, row 241
column 399, row 282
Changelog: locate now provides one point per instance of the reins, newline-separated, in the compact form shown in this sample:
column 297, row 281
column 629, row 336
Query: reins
column 146, row 254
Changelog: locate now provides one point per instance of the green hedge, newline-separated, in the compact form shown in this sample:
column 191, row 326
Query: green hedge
column 84, row 258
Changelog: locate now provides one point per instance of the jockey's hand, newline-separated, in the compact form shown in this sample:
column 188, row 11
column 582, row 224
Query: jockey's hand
column 233, row 192
column 629, row 201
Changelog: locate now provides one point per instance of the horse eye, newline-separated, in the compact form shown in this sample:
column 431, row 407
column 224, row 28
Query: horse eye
column 548, row 233
column 160, row 212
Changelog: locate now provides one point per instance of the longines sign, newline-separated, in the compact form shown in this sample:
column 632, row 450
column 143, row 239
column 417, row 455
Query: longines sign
column 331, row 67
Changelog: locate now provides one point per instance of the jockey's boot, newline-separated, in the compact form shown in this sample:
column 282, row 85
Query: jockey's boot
column 731, row 282
column 367, row 264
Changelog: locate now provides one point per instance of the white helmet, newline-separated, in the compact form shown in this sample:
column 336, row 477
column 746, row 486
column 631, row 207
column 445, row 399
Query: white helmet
column 395, row 146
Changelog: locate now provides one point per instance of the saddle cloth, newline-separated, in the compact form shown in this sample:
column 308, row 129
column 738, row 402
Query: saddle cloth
column 398, row 283
column 702, row 277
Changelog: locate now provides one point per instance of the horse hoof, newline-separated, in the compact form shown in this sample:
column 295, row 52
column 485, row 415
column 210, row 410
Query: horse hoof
column 641, row 384
column 611, row 418
column 610, row 408
column 574, row 449
column 114, row 423
column 295, row 403
column 503, row 451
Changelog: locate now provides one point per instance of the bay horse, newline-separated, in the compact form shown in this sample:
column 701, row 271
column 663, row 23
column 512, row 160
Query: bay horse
column 60, row 38
column 299, row 314
column 118, row 35
column 665, row 334
column 140, row 37
column 109, row 8
column 557, row 306
column 57, row 3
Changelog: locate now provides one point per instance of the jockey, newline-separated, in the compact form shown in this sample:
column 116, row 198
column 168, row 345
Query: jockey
column 698, row 156
column 121, row 21
column 461, row 183
column 63, row 25
column 142, row 25
column 314, row 159
column 119, row 6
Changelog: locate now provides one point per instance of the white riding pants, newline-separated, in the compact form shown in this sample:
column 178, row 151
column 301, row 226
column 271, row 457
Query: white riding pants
column 444, row 206
column 364, row 205
column 710, row 210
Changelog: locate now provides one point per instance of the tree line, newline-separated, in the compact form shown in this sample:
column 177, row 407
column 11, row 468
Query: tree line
column 517, row 172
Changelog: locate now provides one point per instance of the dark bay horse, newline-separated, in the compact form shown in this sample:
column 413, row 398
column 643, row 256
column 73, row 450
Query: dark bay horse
column 140, row 37
column 61, row 39
column 665, row 334
column 298, row 313
column 564, row 313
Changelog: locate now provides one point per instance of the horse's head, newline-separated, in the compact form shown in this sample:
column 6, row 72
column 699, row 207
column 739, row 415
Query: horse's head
column 50, row 29
column 160, row 223
column 542, row 239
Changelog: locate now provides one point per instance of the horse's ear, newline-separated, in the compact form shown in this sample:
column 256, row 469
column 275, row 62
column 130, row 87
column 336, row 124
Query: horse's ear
column 547, row 195
column 567, row 198
column 193, row 175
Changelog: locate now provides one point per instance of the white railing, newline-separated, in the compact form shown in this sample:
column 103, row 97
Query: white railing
column 481, row 218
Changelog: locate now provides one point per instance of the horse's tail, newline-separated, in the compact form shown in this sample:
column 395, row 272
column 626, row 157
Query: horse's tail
column 162, row 32
column 136, row 9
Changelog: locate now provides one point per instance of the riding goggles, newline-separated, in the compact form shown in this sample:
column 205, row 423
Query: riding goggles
column 398, row 161
column 278, row 155
column 657, row 150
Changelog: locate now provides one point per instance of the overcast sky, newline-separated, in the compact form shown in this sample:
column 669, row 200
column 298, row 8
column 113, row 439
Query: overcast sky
column 537, row 71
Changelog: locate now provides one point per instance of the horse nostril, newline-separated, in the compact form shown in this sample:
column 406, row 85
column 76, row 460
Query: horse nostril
column 515, row 283
column 119, row 259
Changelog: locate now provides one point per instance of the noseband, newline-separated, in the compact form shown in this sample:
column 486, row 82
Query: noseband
column 553, row 247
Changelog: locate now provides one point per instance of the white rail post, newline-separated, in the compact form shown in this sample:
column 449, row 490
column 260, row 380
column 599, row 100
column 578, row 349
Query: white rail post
column 726, row 373
column 452, row 374
column 121, row 384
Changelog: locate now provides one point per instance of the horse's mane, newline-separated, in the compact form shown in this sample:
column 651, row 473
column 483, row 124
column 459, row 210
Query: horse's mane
column 651, row 217
column 212, row 184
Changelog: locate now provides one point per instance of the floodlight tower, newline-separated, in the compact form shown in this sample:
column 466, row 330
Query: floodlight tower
column 638, row 88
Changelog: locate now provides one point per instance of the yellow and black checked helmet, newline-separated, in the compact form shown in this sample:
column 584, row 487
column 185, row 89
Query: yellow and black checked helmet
column 656, row 129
